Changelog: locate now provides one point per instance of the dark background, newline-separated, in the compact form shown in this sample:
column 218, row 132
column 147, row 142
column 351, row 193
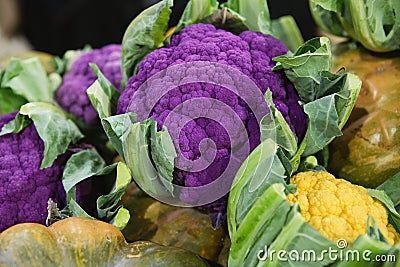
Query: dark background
column 55, row 26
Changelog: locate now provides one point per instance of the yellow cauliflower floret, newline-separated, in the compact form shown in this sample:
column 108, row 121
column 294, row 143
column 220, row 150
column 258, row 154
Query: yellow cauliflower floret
column 338, row 208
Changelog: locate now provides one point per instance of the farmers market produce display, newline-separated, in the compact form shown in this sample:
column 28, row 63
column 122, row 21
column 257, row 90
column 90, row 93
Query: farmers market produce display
column 217, row 142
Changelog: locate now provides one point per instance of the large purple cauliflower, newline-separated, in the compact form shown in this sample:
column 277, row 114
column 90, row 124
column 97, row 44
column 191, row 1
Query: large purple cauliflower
column 24, row 188
column 71, row 96
column 251, row 53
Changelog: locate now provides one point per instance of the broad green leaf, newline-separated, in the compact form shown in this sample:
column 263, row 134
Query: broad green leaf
column 391, row 188
column 89, row 164
column 109, row 89
column 28, row 79
column 299, row 236
column 260, row 227
column 323, row 123
column 15, row 126
column 226, row 19
column 256, row 14
column 80, row 166
column 140, row 151
column 163, row 154
column 345, row 101
column 102, row 94
column 9, row 101
column 330, row 83
column 261, row 169
column 76, row 210
column 284, row 136
column 394, row 217
column 366, row 249
column 195, row 11
column 99, row 99
column 53, row 127
column 328, row 115
column 106, row 203
column 304, row 66
column 285, row 29
column 143, row 35
column 116, row 126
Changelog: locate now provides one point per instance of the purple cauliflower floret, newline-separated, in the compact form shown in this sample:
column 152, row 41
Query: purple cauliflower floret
column 251, row 53
column 71, row 95
column 24, row 188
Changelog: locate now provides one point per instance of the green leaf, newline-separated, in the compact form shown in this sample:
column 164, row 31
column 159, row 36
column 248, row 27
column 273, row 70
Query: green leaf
column 109, row 89
column 19, row 123
column 88, row 164
column 63, row 64
column 163, row 154
column 80, row 166
column 142, row 146
column 226, row 19
column 297, row 235
column 391, row 188
column 285, row 29
column 394, row 217
column 323, row 123
column 261, row 169
column 102, row 94
column 9, row 101
column 195, row 11
column 367, row 248
column 106, row 204
column 28, row 79
column 77, row 211
column 373, row 230
column 121, row 219
column 304, row 66
column 256, row 14
column 116, row 126
column 373, row 23
column 259, row 227
column 284, row 136
column 53, row 127
column 143, row 35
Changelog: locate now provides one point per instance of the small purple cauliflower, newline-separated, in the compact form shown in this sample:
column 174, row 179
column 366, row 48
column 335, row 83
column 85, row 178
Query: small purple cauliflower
column 251, row 53
column 71, row 95
column 24, row 188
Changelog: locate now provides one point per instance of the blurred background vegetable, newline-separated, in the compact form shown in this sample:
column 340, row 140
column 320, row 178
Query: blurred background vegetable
column 368, row 153
column 84, row 242
column 373, row 23
column 55, row 26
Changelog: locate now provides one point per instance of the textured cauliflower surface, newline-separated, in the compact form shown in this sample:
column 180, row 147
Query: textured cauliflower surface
column 338, row 208
column 251, row 53
column 24, row 188
column 72, row 93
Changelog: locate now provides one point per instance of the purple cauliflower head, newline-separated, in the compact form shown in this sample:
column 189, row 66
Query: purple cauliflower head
column 24, row 188
column 251, row 53
column 71, row 95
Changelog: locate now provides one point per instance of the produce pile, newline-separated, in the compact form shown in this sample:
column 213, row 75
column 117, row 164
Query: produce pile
column 226, row 140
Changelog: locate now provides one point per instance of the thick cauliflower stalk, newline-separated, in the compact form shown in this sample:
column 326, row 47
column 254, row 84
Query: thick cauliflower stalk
column 338, row 208
column 72, row 97
column 24, row 188
column 251, row 53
